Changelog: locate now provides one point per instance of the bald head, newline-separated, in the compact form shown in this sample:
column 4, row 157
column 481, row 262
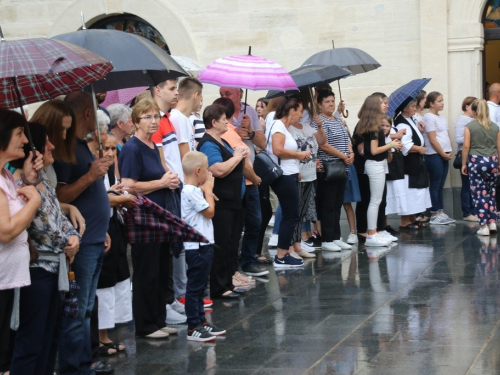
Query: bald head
column 494, row 93
column 83, row 107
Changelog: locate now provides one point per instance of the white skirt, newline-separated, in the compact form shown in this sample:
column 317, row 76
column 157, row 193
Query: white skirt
column 402, row 200
column 115, row 305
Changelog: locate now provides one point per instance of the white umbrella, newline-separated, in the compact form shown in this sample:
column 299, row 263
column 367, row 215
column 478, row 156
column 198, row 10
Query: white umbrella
column 189, row 65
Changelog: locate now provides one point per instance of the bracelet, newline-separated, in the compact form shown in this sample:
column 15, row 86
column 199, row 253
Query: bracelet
column 251, row 135
column 390, row 144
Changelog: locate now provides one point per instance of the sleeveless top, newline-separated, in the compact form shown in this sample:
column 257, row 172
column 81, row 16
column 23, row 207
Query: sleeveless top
column 14, row 256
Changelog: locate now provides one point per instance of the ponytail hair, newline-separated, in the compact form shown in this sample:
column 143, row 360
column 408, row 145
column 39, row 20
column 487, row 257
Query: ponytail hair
column 431, row 98
column 286, row 104
column 482, row 112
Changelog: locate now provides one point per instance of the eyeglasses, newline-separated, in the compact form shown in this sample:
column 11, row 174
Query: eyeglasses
column 150, row 118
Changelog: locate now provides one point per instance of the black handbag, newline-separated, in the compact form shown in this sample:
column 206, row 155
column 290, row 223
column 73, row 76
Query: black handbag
column 265, row 167
column 420, row 180
column 457, row 163
column 335, row 170
column 396, row 167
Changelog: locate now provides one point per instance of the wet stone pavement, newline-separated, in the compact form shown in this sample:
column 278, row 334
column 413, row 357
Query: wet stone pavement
column 429, row 305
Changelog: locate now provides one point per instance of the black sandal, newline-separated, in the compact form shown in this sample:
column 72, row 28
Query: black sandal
column 112, row 345
column 103, row 351
column 411, row 226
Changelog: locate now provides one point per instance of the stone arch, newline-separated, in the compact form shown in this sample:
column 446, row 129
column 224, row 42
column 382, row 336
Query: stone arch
column 466, row 11
column 156, row 12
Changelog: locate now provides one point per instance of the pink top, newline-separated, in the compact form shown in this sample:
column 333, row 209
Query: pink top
column 14, row 256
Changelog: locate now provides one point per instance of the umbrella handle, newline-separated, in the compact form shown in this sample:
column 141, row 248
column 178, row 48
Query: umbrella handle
column 345, row 113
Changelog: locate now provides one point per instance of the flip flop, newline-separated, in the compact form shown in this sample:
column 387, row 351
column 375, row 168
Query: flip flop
column 112, row 345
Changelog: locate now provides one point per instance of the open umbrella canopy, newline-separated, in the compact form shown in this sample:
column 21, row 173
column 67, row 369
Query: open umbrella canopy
column 41, row 69
column 122, row 96
column 136, row 60
column 403, row 95
column 189, row 65
column 247, row 72
column 311, row 75
column 353, row 59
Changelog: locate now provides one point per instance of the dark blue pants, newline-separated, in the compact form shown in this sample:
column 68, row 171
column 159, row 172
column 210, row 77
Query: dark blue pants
column 438, row 170
column 35, row 346
column 287, row 190
column 253, row 220
column 199, row 263
column 466, row 197
column 75, row 352
column 6, row 334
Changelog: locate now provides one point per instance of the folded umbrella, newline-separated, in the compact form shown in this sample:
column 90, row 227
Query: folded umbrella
column 147, row 222
column 400, row 98
column 311, row 75
column 70, row 306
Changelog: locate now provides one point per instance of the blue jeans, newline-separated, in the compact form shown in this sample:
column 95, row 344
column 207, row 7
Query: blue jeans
column 438, row 170
column 199, row 263
column 253, row 220
column 466, row 197
column 75, row 354
column 287, row 189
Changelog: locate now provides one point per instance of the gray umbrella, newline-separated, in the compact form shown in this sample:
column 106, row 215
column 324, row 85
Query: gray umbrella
column 311, row 75
column 137, row 61
column 354, row 59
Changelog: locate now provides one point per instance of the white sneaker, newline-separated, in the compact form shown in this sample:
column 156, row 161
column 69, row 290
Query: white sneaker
column 170, row 330
column 330, row 246
column 178, row 307
column 352, row 239
column 376, row 240
column 271, row 222
column 386, row 234
column 304, row 254
column 306, row 247
column 450, row 220
column 273, row 241
column 342, row 244
column 483, row 231
column 493, row 227
column 173, row 317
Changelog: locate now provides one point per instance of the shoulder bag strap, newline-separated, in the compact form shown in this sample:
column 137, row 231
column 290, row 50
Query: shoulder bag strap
column 269, row 135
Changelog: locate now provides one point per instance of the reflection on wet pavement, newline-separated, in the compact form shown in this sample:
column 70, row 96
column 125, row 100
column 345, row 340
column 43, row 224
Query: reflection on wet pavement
column 428, row 305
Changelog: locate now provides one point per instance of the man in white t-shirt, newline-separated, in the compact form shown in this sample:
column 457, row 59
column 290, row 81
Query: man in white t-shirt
column 189, row 100
column 493, row 102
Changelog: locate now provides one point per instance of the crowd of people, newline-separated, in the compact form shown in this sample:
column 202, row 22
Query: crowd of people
column 63, row 206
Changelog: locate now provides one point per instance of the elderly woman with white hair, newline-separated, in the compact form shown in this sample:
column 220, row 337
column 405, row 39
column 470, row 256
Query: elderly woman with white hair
column 113, row 288
column 121, row 125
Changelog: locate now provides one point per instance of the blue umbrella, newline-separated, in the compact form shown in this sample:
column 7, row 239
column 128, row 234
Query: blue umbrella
column 402, row 96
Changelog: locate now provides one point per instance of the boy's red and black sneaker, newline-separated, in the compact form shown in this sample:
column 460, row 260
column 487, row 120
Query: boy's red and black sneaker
column 199, row 334
column 206, row 302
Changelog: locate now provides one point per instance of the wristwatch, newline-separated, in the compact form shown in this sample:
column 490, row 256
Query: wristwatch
column 251, row 135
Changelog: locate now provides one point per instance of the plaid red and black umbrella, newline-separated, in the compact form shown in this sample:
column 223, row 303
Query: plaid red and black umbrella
column 34, row 70
column 147, row 222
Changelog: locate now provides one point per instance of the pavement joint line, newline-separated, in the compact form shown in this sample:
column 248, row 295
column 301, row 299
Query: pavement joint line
column 315, row 364
column 487, row 342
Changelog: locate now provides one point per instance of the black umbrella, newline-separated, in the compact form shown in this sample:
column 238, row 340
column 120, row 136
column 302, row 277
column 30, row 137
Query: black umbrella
column 354, row 59
column 70, row 306
column 311, row 75
column 136, row 60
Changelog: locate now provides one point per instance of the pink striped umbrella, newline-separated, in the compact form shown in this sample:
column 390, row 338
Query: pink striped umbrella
column 247, row 72
column 122, row 96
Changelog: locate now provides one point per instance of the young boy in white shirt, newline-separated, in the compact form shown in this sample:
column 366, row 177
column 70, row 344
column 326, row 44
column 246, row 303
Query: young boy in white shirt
column 197, row 209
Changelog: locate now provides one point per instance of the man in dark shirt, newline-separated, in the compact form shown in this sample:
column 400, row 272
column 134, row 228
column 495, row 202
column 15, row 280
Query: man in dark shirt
column 82, row 185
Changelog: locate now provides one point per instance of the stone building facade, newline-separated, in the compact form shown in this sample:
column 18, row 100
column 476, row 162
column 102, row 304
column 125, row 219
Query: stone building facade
column 440, row 39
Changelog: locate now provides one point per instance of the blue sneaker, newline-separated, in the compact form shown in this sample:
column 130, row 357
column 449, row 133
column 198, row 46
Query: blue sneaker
column 287, row 262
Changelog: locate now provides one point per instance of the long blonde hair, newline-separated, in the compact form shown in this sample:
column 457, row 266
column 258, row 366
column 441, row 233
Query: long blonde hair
column 370, row 116
column 482, row 112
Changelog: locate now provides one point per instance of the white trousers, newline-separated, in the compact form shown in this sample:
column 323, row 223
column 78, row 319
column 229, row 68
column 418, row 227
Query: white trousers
column 375, row 171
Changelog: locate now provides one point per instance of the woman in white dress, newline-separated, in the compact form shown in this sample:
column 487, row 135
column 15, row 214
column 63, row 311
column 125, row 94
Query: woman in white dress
column 417, row 200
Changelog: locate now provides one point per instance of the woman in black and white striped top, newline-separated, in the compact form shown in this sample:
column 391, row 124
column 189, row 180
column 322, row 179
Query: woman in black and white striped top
column 330, row 194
